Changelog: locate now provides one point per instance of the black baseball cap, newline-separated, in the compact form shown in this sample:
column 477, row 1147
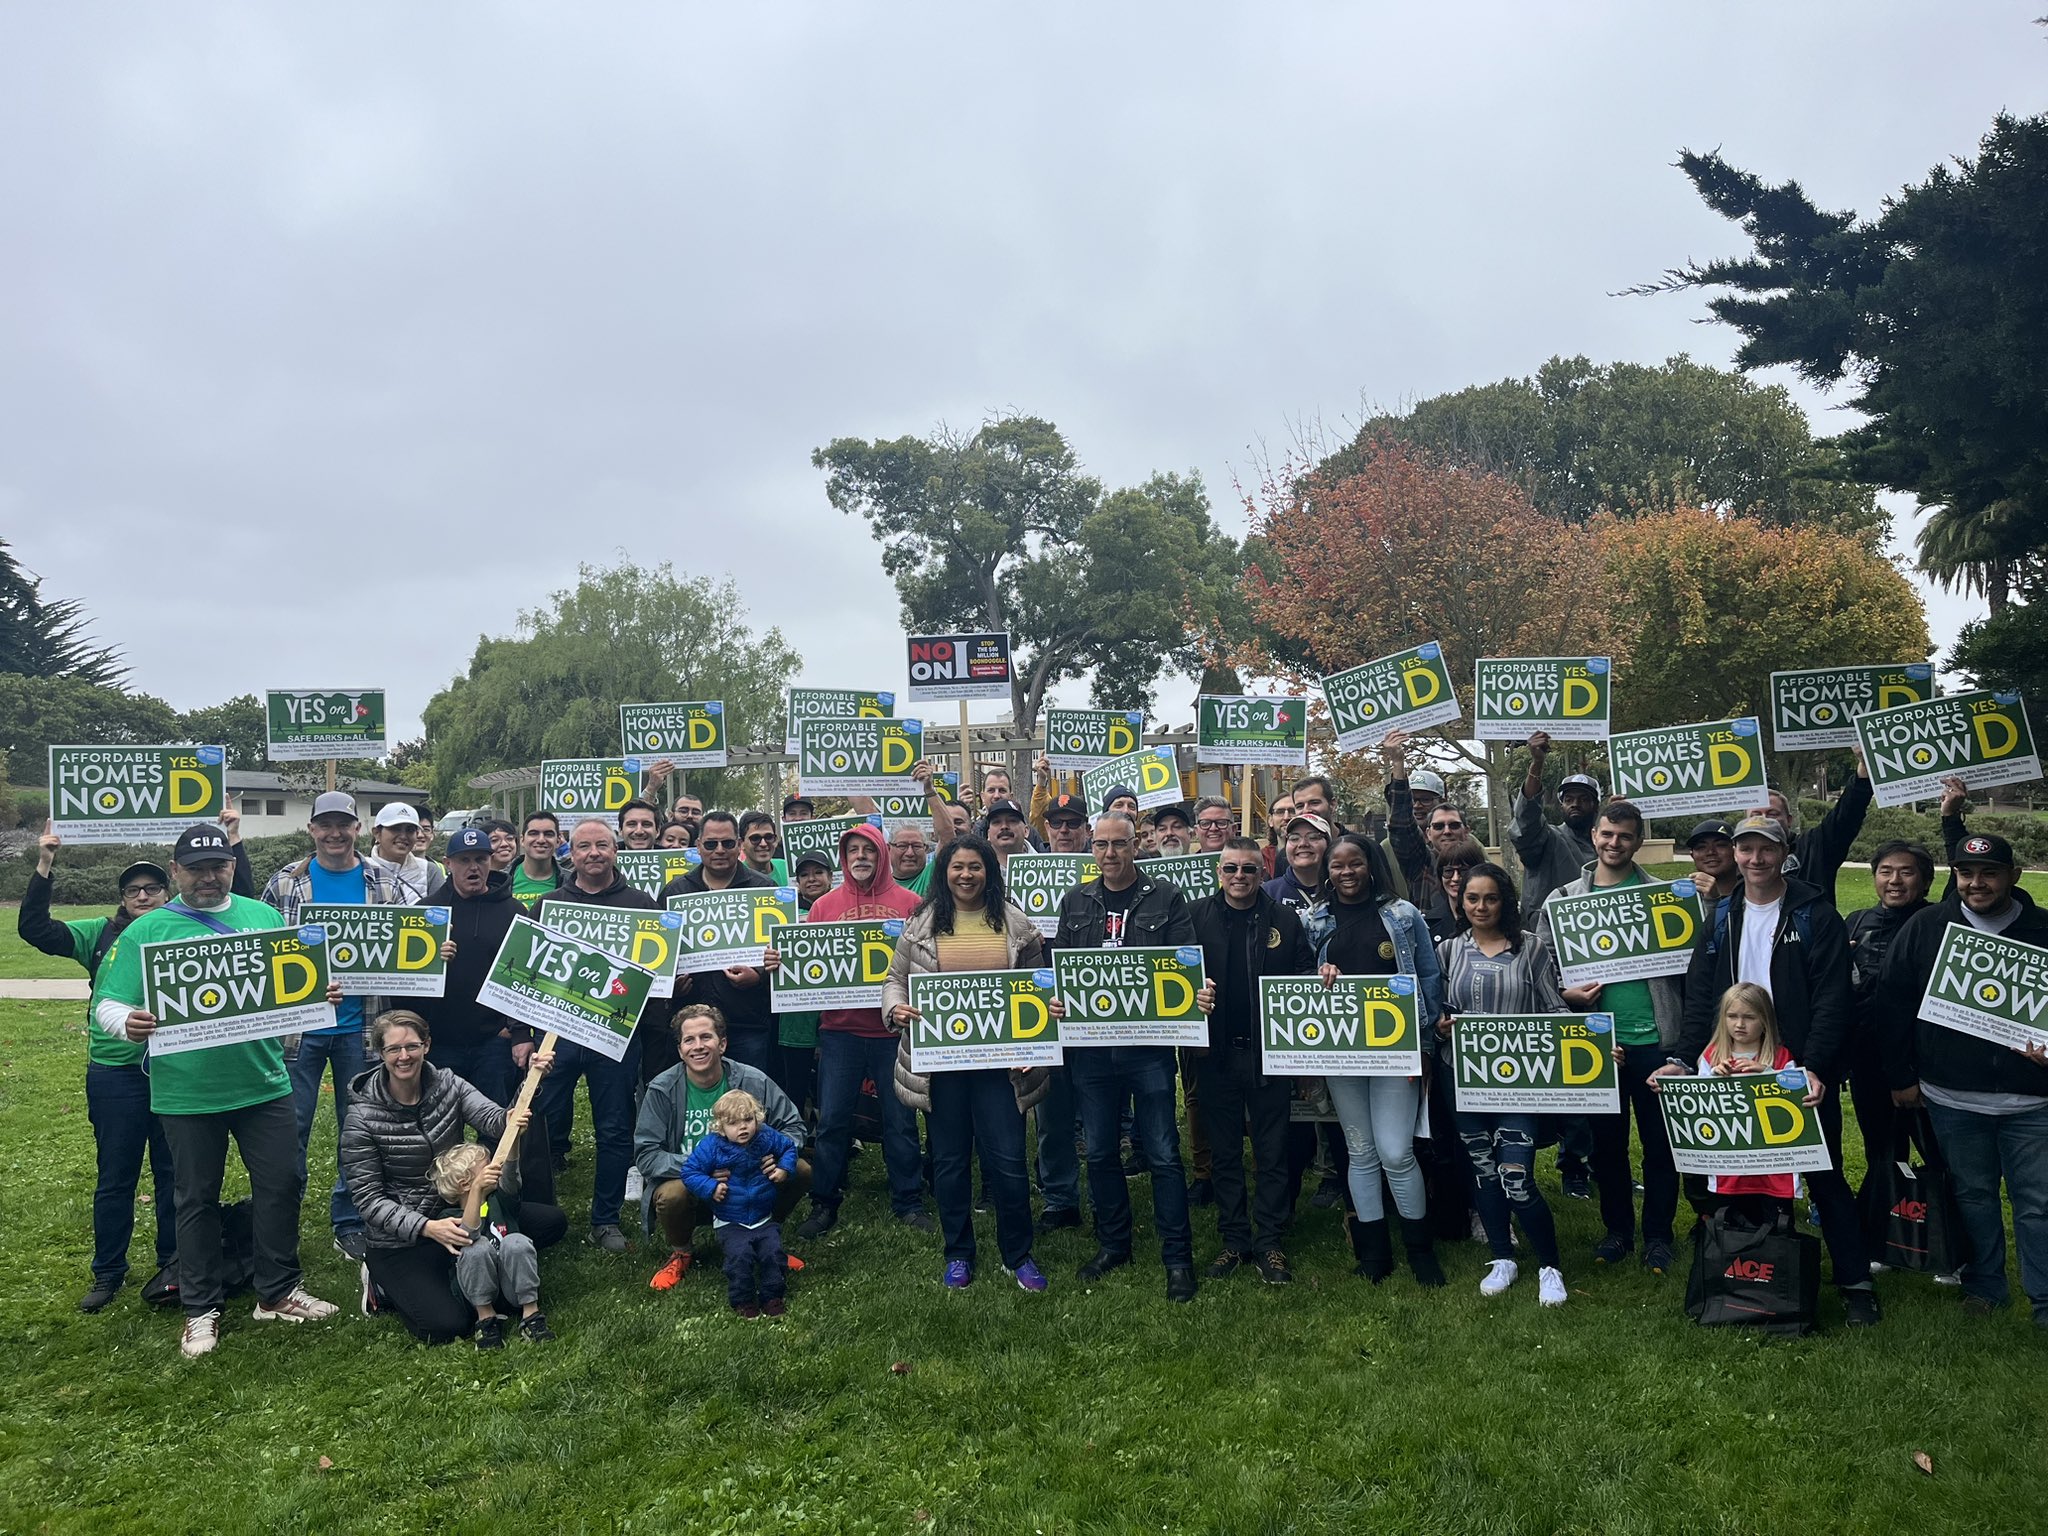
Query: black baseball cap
column 142, row 867
column 1004, row 808
column 1176, row 809
column 1066, row 808
column 794, row 801
column 1984, row 848
column 823, row 861
column 202, row 843
column 1714, row 827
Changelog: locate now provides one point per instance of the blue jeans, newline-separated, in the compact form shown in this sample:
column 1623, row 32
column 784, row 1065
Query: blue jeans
column 611, row 1084
column 1104, row 1077
column 844, row 1062
column 316, row 1052
column 1979, row 1151
column 1059, row 1160
column 1502, row 1149
column 486, row 1066
column 117, row 1103
column 970, row 1108
column 1378, row 1115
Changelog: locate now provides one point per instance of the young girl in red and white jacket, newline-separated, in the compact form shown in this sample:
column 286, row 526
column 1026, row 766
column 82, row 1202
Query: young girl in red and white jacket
column 1746, row 1040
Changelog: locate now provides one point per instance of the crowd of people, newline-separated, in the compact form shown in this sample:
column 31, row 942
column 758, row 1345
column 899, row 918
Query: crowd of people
column 727, row 1115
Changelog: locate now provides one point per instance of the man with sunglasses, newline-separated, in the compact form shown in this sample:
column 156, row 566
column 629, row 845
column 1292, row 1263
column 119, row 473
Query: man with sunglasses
column 738, row 992
column 760, row 842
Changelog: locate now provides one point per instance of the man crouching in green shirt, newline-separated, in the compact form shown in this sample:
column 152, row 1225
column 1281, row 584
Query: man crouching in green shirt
column 203, row 1096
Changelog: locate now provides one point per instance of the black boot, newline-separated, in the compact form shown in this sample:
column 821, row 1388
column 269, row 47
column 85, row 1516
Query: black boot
column 1415, row 1237
column 1371, row 1247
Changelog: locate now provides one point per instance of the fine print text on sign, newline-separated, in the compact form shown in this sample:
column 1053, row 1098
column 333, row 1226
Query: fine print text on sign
column 1137, row 996
column 1816, row 709
column 722, row 929
column 134, row 794
column 1625, row 932
column 833, row 965
column 1750, row 1123
column 1407, row 691
column 1039, row 882
column 1987, row 985
column 224, row 988
column 690, row 734
column 1569, row 697
column 557, row 985
column 948, row 667
column 648, row 939
column 1152, row 772
column 309, row 724
column 859, row 757
column 587, row 788
column 1690, row 770
column 1535, row 1063
column 1982, row 738
column 387, row 951
column 832, row 704
column 1360, row 1026
column 1078, row 739
column 976, row 1019
column 1263, row 732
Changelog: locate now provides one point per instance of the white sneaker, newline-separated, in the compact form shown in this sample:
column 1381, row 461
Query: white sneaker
column 202, row 1333
column 1550, row 1291
column 301, row 1306
column 1953, row 1277
column 634, row 1185
column 368, row 1300
column 1499, row 1277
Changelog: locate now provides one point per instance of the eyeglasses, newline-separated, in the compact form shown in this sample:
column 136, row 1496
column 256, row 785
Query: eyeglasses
column 1109, row 845
column 410, row 1048
column 1212, row 823
column 142, row 890
column 717, row 844
column 1447, row 826
column 1227, row 870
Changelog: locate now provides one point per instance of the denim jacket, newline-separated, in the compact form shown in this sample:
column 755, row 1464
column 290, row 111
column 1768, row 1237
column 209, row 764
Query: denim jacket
column 1414, row 952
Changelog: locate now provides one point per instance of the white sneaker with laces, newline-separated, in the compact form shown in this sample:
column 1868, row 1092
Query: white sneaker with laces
column 1499, row 1277
column 202, row 1333
column 1550, row 1291
column 301, row 1306
column 635, row 1184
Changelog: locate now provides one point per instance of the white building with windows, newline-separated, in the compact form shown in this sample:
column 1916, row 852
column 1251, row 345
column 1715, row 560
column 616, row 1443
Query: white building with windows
column 270, row 808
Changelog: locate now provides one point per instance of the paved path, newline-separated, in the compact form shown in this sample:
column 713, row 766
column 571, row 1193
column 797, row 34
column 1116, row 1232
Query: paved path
column 47, row 991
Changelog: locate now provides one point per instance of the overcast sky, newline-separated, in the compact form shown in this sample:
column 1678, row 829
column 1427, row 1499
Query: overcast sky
column 425, row 303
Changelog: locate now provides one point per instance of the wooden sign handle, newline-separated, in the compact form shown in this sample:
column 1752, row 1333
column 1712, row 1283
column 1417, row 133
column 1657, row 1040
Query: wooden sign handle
column 473, row 1206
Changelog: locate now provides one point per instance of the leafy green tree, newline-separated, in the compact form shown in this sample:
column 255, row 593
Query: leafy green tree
column 1581, row 438
column 1001, row 530
column 39, row 712
column 624, row 635
column 39, row 638
column 239, row 725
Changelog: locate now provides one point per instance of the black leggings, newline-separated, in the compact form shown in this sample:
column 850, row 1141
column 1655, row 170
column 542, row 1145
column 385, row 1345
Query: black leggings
column 418, row 1284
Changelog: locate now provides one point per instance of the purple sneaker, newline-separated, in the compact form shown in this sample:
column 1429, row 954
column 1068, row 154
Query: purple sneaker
column 1029, row 1276
column 959, row 1274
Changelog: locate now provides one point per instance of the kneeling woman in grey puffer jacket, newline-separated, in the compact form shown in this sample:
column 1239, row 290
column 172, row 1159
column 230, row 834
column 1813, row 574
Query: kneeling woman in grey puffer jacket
column 965, row 924
column 403, row 1115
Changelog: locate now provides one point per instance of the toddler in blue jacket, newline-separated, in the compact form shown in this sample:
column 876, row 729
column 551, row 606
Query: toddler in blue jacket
column 735, row 1170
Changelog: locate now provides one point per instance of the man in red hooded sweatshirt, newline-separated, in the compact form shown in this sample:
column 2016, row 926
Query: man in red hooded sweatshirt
column 855, row 1046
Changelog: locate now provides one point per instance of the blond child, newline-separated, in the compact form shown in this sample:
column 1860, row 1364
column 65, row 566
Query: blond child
column 499, row 1260
column 734, row 1170
column 1746, row 1040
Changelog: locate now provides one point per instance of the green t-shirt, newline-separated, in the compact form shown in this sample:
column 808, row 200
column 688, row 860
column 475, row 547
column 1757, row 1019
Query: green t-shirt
column 525, row 889
column 1635, row 1016
column 100, row 1047
column 697, row 1104
column 215, row 1078
column 921, row 886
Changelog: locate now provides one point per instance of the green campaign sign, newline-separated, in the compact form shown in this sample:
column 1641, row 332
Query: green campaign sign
column 385, row 951
column 1078, row 739
column 1982, row 738
column 689, row 734
column 580, row 788
column 557, row 985
column 819, row 835
column 1689, row 770
column 1037, row 883
column 224, row 988
column 859, row 757
column 1136, row 996
column 308, row 724
column 721, row 929
column 831, row 704
column 134, row 794
column 1360, row 1026
column 651, row 869
column 915, row 810
column 1262, row 732
column 969, row 1020
column 1407, row 691
column 1625, row 932
column 1193, row 874
column 1750, row 1122
column 647, row 939
column 1816, row 709
column 1987, row 985
column 1153, row 772
column 1535, row 1063
column 1568, row 697
column 833, row 965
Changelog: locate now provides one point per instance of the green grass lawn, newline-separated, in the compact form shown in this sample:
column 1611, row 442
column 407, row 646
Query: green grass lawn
column 20, row 960
column 886, row 1404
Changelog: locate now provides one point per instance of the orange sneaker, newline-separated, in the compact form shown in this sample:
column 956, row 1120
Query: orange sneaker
column 666, row 1277
column 792, row 1263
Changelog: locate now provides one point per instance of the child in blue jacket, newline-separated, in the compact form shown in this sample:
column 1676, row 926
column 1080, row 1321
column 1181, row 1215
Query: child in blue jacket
column 735, row 1170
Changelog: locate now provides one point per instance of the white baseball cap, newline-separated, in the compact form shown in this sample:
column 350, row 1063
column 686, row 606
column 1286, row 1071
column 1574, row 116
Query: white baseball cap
column 397, row 814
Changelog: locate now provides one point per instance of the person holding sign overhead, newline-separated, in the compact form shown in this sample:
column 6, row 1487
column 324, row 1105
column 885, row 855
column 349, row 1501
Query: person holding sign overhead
column 204, row 1096
column 965, row 924
column 1553, row 855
